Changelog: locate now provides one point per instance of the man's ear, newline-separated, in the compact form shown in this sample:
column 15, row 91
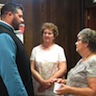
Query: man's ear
column 10, row 16
column 10, row 13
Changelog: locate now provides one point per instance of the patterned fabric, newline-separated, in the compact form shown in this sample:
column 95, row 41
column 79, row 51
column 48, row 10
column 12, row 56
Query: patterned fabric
column 77, row 76
column 47, row 64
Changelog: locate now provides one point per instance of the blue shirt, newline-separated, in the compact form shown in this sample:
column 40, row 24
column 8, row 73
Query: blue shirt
column 8, row 67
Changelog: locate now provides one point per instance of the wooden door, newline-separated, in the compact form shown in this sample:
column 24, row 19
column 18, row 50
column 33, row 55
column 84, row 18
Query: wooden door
column 90, row 17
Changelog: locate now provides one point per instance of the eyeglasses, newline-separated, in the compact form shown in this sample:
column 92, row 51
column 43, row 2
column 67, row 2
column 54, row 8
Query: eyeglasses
column 79, row 40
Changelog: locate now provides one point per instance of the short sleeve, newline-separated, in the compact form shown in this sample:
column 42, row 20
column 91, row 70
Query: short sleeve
column 62, row 55
column 91, row 69
column 33, row 53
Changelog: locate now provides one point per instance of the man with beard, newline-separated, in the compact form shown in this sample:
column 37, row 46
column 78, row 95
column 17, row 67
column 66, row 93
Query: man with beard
column 15, row 74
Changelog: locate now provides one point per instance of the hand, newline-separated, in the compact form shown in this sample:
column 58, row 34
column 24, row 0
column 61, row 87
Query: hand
column 46, row 83
column 60, row 80
column 63, row 90
column 43, row 88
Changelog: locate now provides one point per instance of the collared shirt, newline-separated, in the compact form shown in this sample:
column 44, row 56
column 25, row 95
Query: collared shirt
column 8, row 67
column 6, row 24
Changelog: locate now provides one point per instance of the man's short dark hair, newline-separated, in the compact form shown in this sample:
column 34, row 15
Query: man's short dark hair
column 11, row 7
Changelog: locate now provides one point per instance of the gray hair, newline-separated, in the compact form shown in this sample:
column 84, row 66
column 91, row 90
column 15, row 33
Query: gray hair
column 88, row 36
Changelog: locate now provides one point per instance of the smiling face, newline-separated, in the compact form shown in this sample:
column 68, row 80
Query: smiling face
column 48, row 36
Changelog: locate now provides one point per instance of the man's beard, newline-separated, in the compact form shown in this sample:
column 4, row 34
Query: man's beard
column 15, row 24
